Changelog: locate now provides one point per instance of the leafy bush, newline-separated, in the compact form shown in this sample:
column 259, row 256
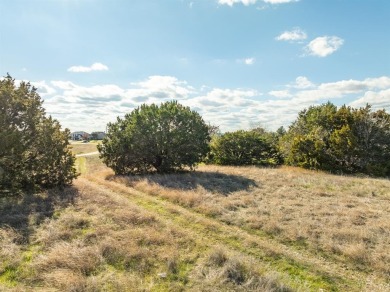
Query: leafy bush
column 340, row 140
column 33, row 150
column 244, row 148
column 165, row 139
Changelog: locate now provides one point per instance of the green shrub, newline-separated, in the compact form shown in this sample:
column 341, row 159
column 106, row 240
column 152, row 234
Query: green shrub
column 344, row 140
column 244, row 148
column 33, row 150
column 162, row 138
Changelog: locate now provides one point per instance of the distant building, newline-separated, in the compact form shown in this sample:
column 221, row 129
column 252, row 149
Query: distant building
column 97, row 136
column 79, row 135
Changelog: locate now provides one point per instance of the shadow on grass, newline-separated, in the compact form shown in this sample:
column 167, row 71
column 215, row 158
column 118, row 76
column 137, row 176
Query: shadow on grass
column 23, row 213
column 214, row 182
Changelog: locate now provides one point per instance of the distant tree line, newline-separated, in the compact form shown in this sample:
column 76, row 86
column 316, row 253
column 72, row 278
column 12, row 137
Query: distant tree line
column 171, row 137
column 34, row 150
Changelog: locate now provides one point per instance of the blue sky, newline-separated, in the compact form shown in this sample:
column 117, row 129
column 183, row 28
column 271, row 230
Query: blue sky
column 239, row 63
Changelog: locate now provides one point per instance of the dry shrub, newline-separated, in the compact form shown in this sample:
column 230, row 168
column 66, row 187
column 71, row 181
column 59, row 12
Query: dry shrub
column 114, row 281
column 217, row 257
column 67, row 227
column 358, row 254
column 220, row 271
column 74, row 256
column 65, row 280
column 124, row 217
column 10, row 251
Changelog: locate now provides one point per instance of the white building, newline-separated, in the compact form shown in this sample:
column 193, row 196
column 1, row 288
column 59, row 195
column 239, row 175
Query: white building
column 79, row 135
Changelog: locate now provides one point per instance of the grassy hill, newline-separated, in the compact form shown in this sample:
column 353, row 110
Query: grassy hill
column 216, row 229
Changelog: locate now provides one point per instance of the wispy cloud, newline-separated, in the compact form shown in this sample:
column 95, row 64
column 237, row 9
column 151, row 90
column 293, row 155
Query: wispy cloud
column 232, row 2
column 92, row 107
column 324, row 46
column 280, row 93
column 249, row 2
column 302, row 82
column 293, row 35
column 93, row 67
column 279, row 1
column 246, row 61
column 249, row 61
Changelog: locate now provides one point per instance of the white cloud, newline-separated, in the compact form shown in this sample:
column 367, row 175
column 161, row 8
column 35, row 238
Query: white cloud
column 301, row 82
column 232, row 2
column 249, row 61
column 280, row 93
column 90, row 108
column 293, row 35
column 324, row 46
column 93, row 67
column 160, row 87
column 249, row 2
column 379, row 100
column 279, row 1
column 246, row 61
column 42, row 88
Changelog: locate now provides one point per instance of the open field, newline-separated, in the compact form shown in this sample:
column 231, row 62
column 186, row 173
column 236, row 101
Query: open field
column 82, row 148
column 216, row 229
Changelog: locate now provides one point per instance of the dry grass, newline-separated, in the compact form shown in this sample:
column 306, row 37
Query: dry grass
column 221, row 271
column 97, row 241
column 80, row 148
column 345, row 219
column 101, row 236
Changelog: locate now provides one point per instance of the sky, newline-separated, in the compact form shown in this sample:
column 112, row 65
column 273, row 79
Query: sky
column 239, row 63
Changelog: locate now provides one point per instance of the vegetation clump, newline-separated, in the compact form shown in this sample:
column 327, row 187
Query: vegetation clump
column 344, row 140
column 33, row 150
column 253, row 147
column 163, row 138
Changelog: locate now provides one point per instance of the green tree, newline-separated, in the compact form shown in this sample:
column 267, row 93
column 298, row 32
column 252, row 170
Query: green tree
column 244, row 148
column 339, row 140
column 33, row 150
column 162, row 138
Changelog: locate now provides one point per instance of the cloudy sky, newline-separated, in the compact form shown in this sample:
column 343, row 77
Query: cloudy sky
column 239, row 63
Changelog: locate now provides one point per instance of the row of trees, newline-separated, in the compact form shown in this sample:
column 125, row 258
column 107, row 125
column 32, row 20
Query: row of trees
column 34, row 151
column 172, row 137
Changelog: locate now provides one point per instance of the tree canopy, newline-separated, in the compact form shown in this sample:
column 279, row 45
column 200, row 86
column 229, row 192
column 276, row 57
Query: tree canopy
column 341, row 139
column 33, row 150
column 163, row 138
column 255, row 147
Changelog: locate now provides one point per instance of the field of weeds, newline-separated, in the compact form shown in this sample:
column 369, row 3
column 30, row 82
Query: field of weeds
column 216, row 229
column 345, row 219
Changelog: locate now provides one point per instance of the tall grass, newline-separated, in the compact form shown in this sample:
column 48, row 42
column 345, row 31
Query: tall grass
column 345, row 219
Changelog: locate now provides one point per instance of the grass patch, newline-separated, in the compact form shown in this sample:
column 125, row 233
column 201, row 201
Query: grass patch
column 82, row 148
column 218, row 229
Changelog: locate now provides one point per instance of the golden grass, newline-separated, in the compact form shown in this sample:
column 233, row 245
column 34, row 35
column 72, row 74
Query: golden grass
column 221, row 271
column 81, row 148
column 217, row 229
column 346, row 219
column 98, row 240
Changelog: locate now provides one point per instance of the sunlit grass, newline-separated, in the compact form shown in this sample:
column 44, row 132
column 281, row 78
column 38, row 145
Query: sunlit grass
column 216, row 229
column 82, row 148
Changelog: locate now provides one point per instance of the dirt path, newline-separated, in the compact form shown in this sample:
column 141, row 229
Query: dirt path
column 312, row 271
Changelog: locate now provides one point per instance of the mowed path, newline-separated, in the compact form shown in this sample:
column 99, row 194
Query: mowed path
column 313, row 272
